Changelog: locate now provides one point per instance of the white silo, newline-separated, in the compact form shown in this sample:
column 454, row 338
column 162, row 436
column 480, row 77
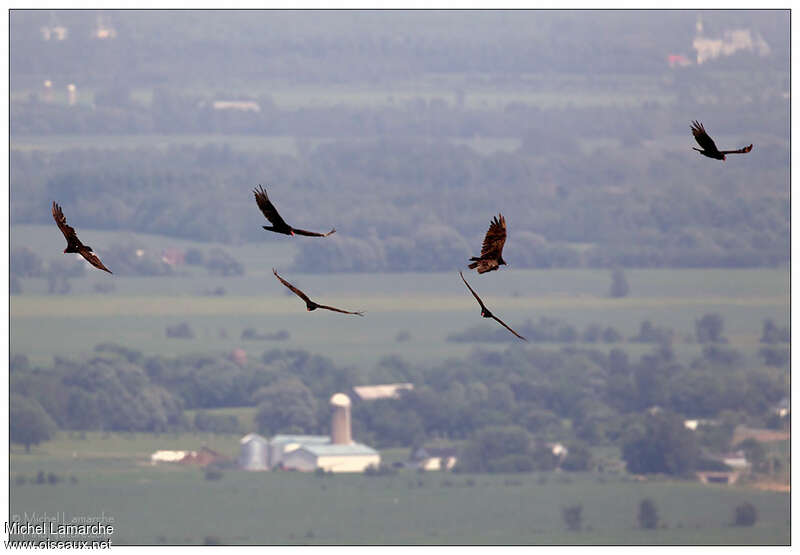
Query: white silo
column 253, row 455
column 340, row 423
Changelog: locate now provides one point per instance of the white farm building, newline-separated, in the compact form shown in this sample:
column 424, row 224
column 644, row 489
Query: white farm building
column 332, row 458
column 335, row 453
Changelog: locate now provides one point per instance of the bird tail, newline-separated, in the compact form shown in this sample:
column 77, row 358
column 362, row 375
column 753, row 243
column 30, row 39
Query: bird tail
column 473, row 265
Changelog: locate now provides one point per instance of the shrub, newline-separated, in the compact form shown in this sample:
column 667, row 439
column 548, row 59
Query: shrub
column 573, row 516
column 648, row 515
column 180, row 331
column 745, row 515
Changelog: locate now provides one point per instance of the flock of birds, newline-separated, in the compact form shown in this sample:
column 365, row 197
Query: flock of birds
column 491, row 257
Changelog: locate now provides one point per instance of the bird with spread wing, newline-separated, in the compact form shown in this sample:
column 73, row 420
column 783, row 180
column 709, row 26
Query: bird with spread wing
column 310, row 305
column 492, row 250
column 278, row 224
column 73, row 243
column 709, row 148
column 485, row 311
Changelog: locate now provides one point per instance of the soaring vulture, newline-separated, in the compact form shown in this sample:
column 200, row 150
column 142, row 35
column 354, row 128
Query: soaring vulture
column 485, row 311
column 278, row 225
column 492, row 250
column 310, row 305
column 73, row 243
column 709, row 148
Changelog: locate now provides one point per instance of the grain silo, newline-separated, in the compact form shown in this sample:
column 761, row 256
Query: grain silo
column 340, row 423
column 253, row 454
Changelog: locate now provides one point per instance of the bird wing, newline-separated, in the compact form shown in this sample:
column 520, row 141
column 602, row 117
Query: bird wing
column 509, row 329
column 294, row 289
column 313, row 233
column 702, row 137
column 68, row 231
column 93, row 260
column 486, row 265
column 474, row 294
column 495, row 239
column 744, row 150
column 338, row 310
column 267, row 208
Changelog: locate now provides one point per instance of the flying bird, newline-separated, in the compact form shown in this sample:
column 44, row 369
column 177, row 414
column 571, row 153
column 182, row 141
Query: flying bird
column 310, row 305
column 485, row 311
column 709, row 148
column 278, row 225
column 73, row 243
column 492, row 250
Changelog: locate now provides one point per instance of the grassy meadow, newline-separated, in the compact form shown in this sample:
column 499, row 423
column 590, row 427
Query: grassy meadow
column 428, row 306
column 171, row 504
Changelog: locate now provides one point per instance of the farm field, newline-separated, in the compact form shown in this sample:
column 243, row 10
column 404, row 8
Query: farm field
column 430, row 306
column 175, row 504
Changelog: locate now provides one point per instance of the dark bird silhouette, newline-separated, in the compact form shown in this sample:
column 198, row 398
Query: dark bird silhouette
column 492, row 250
column 278, row 225
column 485, row 311
column 709, row 148
column 310, row 305
column 73, row 243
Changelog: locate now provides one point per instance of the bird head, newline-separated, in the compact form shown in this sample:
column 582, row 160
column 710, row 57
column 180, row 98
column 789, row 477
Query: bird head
column 292, row 232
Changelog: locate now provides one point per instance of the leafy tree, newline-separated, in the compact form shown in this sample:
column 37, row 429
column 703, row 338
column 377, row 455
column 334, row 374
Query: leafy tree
column 222, row 263
column 29, row 422
column 180, row 331
column 287, row 406
column 578, row 459
column 755, row 453
column 773, row 334
column 648, row 515
column 491, row 449
column 745, row 515
column 775, row 356
column 708, row 329
column 619, row 284
column 573, row 517
column 544, row 460
column 662, row 445
column 25, row 263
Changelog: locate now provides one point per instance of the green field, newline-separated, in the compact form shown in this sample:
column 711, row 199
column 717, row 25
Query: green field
column 175, row 504
column 429, row 306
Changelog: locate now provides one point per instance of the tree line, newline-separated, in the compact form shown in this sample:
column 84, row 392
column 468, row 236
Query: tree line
column 529, row 396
